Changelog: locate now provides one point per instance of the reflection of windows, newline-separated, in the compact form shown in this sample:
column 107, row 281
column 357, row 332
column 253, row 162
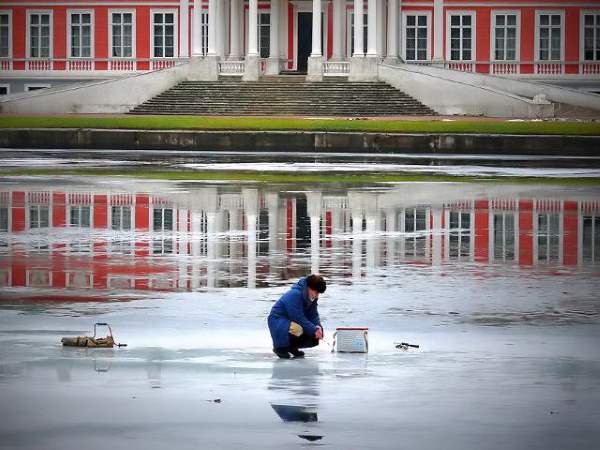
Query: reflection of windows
column 121, row 218
column 79, row 216
column 162, row 246
column 79, row 280
column 120, row 247
column 548, row 237
column 460, row 234
column 264, row 34
column 415, row 220
column 80, row 247
column 120, row 283
column 4, row 278
column 39, row 216
column 39, row 278
column 591, row 239
column 4, row 219
column 504, row 236
column 162, row 219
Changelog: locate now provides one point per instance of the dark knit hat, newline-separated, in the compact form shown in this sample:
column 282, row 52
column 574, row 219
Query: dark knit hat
column 316, row 282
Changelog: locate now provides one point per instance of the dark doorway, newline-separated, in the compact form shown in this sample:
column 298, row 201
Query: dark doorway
column 304, row 40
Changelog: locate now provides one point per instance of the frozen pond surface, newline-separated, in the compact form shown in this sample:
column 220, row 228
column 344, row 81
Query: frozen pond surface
column 498, row 283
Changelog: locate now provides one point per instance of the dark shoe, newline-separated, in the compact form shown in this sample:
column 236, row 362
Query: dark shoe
column 283, row 353
column 297, row 353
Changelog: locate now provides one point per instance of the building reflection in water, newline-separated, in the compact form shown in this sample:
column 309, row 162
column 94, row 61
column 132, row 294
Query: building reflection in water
column 76, row 241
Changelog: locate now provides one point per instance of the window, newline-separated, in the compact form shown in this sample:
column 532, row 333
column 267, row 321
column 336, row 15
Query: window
column 79, row 216
column 122, row 35
column 204, row 22
column 163, row 34
column 121, row 218
column 80, row 35
column 591, row 239
column 38, row 278
column 460, row 234
column 504, row 236
column 506, row 31
column 5, row 32
column 40, row 36
column 3, row 218
column 4, row 89
column 548, row 237
column 365, row 33
column 416, row 37
column 264, row 30
column 591, row 37
column 549, row 37
column 162, row 219
column 462, row 37
column 39, row 216
column 415, row 221
column 35, row 87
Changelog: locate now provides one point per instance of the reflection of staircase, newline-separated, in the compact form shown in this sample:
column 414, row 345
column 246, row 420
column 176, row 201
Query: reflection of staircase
column 287, row 95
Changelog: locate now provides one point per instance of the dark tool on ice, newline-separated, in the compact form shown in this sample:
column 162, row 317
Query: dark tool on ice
column 405, row 345
column 93, row 341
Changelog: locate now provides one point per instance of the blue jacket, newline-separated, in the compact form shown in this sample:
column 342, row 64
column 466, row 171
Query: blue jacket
column 295, row 306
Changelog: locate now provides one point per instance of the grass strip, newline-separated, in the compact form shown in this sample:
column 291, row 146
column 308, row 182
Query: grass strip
column 302, row 124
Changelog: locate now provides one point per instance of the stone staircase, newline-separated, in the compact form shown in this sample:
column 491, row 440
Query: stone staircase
column 283, row 95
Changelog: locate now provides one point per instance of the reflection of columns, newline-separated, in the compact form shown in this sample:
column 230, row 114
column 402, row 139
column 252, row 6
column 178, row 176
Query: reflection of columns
column 184, row 11
column 372, row 28
column 339, row 9
column 436, row 254
column 182, row 240
column 197, row 29
column 390, row 227
column 196, row 247
column 234, row 27
column 212, row 27
column 392, row 27
column 315, row 240
column 211, row 246
column 358, row 28
column 273, row 62
column 273, row 211
column 356, row 244
column 251, row 208
column 371, row 242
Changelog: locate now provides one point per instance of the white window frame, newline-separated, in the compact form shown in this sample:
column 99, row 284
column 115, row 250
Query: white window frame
column 473, row 15
column 79, row 206
column 493, row 35
column 595, row 12
column 260, row 25
column 110, row 33
column 28, row 34
column 555, row 12
column 28, row 86
column 175, row 32
column 131, row 215
column 8, row 218
column 402, row 38
column 7, row 86
column 10, row 32
column 70, row 274
column 70, row 12
column 28, row 276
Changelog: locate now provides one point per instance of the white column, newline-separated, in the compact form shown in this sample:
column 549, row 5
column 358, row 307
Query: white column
column 438, row 31
column 436, row 232
column 253, row 28
column 315, row 243
column 339, row 8
column 212, row 28
column 358, row 28
column 316, row 28
column 372, row 28
column 234, row 26
column 392, row 28
column 222, row 28
column 184, row 21
column 356, row 244
column 274, row 36
column 197, row 29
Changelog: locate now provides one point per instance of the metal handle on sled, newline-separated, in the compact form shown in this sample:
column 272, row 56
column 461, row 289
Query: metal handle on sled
column 103, row 324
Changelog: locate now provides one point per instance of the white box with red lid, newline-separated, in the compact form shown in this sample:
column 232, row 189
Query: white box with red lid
column 351, row 339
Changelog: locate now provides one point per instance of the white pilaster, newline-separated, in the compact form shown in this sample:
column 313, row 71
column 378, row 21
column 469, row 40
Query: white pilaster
column 339, row 9
column 251, row 67
column 197, row 29
column 212, row 28
column 358, row 28
column 273, row 63
column 315, row 61
column 438, row 31
column 234, row 26
column 222, row 27
column 372, row 28
column 184, row 21
column 392, row 27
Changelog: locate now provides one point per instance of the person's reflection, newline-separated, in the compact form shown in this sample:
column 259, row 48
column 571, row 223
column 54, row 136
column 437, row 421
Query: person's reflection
column 299, row 383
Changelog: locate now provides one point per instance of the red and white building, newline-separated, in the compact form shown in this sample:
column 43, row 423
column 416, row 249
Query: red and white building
column 45, row 42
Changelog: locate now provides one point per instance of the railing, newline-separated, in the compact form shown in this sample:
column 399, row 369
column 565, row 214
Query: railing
column 231, row 67
column 336, row 68
column 462, row 66
column 504, row 68
column 122, row 65
column 80, row 64
column 5, row 64
column 589, row 68
column 38, row 64
column 162, row 63
column 549, row 68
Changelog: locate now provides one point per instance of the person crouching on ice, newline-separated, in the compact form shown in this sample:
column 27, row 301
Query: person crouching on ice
column 294, row 320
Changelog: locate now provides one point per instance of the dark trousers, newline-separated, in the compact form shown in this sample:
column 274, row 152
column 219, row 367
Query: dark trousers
column 303, row 341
